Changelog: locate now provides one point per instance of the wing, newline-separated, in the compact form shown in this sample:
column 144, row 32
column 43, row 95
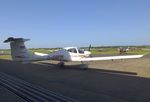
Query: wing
column 111, row 58
column 40, row 54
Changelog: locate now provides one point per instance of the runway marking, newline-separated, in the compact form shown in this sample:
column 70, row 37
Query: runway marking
column 30, row 92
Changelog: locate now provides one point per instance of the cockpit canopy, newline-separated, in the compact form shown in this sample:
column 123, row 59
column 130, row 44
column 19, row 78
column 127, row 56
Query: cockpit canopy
column 74, row 50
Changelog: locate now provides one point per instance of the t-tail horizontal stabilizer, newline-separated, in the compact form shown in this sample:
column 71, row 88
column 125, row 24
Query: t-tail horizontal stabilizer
column 11, row 39
column 20, row 53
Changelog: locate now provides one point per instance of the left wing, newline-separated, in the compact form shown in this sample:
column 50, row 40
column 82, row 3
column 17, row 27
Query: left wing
column 40, row 54
column 111, row 58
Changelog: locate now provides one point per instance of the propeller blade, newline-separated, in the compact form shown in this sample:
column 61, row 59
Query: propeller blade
column 90, row 47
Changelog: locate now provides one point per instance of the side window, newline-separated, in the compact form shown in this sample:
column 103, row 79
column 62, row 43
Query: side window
column 72, row 50
column 81, row 51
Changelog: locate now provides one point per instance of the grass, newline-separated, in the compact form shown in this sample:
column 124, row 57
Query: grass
column 39, row 50
column 113, row 51
column 5, row 57
column 104, row 51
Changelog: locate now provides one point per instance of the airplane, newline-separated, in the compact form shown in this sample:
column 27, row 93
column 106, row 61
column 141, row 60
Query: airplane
column 123, row 50
column 20, row 53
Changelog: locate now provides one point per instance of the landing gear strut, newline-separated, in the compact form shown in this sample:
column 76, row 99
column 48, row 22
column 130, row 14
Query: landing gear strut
column 84, row 66
column 61, row 64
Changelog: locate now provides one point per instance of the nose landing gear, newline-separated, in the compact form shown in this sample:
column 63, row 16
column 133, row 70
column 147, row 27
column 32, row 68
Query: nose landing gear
column 61, row 64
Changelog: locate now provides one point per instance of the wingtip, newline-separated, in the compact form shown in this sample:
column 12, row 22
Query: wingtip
column 142, row 55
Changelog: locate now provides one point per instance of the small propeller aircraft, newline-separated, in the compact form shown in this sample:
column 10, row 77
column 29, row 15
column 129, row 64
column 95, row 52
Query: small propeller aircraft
column 20, row 53
column 123, row 50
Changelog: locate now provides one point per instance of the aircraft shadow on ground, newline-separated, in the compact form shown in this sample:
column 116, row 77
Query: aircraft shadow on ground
column 78, row 67
column 116, row 84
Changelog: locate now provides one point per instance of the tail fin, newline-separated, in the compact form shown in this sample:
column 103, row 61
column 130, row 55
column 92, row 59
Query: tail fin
column 18, row 49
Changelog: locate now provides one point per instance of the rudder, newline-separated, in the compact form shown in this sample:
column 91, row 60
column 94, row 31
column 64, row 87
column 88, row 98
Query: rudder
column 18, row 49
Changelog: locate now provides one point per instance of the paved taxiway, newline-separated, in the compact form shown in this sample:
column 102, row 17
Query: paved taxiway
column 92, row 85
column 8, row 96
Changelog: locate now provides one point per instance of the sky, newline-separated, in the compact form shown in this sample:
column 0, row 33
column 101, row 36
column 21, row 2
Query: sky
column 61, row 23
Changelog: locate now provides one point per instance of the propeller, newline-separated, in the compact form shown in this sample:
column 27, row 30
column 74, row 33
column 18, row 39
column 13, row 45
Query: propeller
column 89, row 47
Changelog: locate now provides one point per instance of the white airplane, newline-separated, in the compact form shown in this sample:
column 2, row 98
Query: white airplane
column 20, row 53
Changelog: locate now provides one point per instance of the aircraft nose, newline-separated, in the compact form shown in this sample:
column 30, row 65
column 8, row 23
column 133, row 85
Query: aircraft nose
column 87, row 52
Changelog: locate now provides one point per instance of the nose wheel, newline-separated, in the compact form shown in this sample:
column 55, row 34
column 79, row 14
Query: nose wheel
column 61, row 64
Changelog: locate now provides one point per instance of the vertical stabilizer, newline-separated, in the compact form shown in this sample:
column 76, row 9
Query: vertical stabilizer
column 18, row 49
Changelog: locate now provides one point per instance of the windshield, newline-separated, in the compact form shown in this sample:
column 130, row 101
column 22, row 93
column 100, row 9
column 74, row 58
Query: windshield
column 73, row 50
column 80, row 50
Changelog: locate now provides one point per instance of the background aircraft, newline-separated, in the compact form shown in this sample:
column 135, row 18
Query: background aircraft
column 123, row 50
column 20, row 53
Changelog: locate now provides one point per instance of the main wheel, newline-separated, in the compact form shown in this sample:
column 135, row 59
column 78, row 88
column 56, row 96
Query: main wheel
column 84, row 66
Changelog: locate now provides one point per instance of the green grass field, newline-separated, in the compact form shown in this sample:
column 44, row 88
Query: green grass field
column 113, row 51
column 5, row 57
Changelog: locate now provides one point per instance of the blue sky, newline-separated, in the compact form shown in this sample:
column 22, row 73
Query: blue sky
column 59, row 23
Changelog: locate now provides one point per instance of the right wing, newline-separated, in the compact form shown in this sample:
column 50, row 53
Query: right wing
column 111, row 58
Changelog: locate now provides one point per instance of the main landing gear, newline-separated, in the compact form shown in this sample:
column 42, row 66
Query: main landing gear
column 84, row 65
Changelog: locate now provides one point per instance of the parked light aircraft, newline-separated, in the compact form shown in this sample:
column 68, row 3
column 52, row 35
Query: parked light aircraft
column 20, row 53
column 123, row 50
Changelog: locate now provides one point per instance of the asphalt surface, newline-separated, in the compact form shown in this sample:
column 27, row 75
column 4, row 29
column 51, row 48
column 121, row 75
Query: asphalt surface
column 97, row 84
column 8, row 96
